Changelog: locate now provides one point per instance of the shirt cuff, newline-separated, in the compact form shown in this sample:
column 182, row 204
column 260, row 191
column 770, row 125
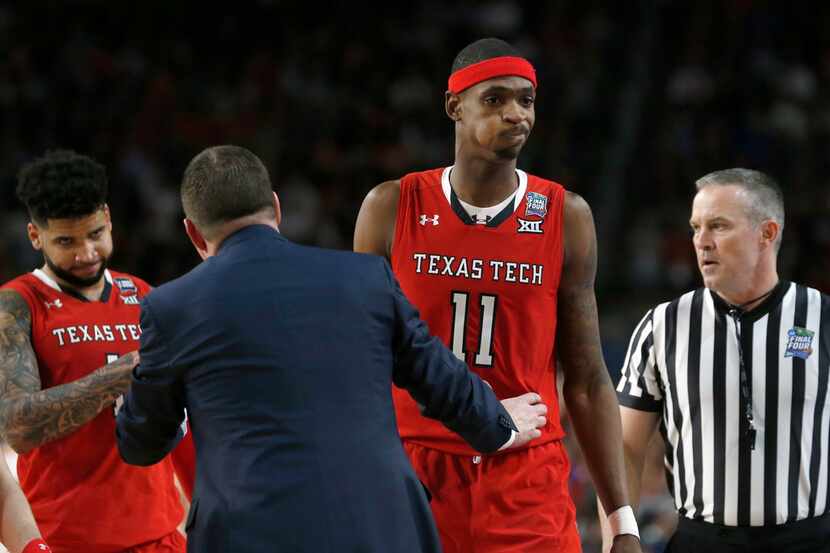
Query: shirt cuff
column 510, row 440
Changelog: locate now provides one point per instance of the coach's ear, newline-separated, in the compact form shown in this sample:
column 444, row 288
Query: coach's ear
column 277, row 210
column 196, row 238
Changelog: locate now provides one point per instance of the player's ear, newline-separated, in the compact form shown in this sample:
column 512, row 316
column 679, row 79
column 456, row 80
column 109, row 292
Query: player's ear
column 196, row 238
column 107, row 217
column 277, row 210
column 452, row 105
column 34, row 236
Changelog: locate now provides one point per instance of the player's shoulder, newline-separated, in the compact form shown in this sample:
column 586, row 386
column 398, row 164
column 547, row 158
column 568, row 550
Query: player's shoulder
column 13, row 294
column 26, row 280
column 385, row 195
column 418, row 180
column 26, row 286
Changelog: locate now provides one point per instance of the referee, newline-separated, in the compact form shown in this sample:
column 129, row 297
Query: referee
column 736, row 375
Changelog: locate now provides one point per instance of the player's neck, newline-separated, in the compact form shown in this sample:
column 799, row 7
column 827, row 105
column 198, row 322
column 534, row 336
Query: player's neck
column 483, row 183
column 92, row 293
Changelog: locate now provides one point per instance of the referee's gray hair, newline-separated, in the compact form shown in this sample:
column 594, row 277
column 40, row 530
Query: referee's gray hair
column 766, row 197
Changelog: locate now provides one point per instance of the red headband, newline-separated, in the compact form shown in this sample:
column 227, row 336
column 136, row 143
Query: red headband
column 504, row 66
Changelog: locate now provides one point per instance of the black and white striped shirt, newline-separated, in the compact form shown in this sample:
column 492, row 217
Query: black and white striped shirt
column 683, row 362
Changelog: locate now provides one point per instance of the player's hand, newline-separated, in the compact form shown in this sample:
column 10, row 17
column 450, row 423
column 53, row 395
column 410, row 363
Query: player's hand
column 528, row 412
column 626, row 543
column 128, row 361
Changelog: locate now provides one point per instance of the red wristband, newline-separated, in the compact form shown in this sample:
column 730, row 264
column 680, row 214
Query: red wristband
column 37, row 545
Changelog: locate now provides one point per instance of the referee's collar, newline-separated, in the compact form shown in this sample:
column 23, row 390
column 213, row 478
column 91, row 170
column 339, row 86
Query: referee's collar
column 724, row 307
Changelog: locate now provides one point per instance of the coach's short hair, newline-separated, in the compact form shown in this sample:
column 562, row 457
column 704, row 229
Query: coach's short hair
column 482, row 49
column 766, row 197
column 223, row 183
column 62, row 184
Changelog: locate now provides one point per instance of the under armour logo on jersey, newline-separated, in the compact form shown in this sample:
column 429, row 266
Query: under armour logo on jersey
column 56, row 304
column 424, row 220
column 534, row 227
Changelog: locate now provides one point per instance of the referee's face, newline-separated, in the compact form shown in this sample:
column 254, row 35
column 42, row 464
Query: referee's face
column 726, row 241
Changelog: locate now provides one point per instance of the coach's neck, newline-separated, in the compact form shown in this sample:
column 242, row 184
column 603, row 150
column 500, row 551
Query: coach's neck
column 207, row 241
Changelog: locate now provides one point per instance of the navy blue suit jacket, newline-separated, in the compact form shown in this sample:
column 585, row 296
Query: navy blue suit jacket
column 284, row 357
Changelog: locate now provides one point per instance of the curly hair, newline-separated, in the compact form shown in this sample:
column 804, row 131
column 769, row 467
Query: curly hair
column 62, row 185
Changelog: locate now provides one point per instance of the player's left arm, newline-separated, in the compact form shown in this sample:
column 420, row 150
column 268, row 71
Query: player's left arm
column 587, row 389
column 149, row 424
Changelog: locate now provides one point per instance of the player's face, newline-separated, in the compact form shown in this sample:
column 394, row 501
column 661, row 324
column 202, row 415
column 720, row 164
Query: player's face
column 76, row 251
column 498, row 115
column 728, row 243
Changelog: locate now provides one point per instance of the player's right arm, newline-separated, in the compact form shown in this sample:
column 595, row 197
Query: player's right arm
column 30, row 416
column 374, row 230
column 637, row 429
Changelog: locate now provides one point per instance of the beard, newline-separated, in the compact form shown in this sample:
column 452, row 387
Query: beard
column 76, row 281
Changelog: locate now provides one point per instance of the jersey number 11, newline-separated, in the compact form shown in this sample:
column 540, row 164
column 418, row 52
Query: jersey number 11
column 483, row 356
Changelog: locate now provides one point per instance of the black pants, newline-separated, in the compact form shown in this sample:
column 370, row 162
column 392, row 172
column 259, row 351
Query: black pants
column 804, row 536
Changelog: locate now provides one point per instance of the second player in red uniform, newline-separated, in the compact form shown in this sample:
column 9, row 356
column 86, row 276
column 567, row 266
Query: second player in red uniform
column 68, row 335
column 509, row 287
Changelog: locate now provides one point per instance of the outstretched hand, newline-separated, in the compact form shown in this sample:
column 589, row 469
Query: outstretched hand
column 528, row 412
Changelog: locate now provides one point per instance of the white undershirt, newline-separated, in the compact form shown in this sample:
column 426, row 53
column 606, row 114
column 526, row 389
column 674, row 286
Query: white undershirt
column 482, row 215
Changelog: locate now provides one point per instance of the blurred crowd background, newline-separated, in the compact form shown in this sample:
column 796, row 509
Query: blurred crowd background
column 636, row 100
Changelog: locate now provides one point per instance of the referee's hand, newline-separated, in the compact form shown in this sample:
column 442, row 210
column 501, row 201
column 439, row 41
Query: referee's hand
column 528, row 412
column 626, row 543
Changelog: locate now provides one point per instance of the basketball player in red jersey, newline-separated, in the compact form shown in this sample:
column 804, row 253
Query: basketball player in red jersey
column 501, row 265
column 68, row 335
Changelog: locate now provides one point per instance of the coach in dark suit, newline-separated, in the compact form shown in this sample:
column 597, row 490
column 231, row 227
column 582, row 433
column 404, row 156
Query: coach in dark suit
column 284, row 356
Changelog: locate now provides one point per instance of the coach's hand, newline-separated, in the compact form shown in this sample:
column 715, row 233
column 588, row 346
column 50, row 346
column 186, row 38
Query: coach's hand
column 626, row 543
column 528, row 412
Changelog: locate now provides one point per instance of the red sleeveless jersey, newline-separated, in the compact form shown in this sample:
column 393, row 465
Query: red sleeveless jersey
column 488, row 291
column 84, row 497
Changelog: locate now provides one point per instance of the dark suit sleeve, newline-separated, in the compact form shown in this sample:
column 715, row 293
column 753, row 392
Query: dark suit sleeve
column 149, row 423
column 436, row 379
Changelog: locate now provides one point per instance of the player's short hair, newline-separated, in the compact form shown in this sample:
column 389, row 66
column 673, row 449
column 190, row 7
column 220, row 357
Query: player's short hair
column 224, row 183
column 62, row 184
column 766, row 197
column 482, row 49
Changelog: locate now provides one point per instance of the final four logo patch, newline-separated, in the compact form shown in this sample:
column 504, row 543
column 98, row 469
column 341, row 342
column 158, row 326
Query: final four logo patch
column 125, row 284
column 799, row 343
column 537, row 204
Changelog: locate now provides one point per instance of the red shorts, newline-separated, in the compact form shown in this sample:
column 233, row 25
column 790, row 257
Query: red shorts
column 510, row 503
column 174, row 542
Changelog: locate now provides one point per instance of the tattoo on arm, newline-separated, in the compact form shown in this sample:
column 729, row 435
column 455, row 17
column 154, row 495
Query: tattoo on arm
column 29, row 416
column 18, row 366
